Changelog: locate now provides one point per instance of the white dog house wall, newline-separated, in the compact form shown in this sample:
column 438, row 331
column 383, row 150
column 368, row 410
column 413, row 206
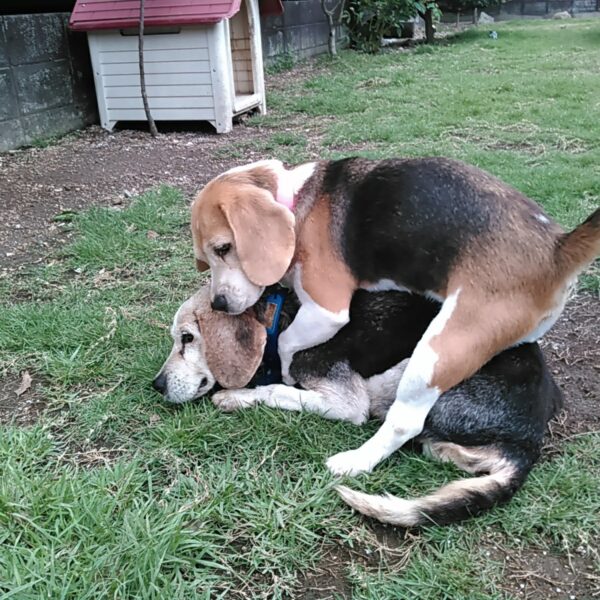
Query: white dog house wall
column 202, row 59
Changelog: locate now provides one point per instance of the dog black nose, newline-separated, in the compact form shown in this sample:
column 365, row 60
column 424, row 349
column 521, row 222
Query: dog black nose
column 160, row 383
column 219, row 303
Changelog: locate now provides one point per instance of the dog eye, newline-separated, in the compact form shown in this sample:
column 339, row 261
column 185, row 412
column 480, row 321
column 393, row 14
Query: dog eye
column 186, row 338
column 222, row 250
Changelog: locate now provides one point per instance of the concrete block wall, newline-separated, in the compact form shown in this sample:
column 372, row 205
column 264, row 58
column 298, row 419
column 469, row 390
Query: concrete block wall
column 301, row 31
column 46, row 82
column 583, row 6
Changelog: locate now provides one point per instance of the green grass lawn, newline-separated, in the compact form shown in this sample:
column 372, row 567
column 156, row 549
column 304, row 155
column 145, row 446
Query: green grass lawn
column 112, row 494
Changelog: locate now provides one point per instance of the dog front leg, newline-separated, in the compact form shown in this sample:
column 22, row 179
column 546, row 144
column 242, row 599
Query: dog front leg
column 275, row 395
column 312, row 326
column 343, row 401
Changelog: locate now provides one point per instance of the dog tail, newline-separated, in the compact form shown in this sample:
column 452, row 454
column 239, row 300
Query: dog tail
column 581, row 246
column 453, row 502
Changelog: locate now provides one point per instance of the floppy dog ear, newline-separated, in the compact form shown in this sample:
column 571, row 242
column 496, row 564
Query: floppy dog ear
column 264, row 234
column 234, row 346
column 201, row 265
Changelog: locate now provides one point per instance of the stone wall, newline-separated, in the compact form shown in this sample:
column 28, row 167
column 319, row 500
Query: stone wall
column 46, row 82
column 301, row 31
column 583, row 6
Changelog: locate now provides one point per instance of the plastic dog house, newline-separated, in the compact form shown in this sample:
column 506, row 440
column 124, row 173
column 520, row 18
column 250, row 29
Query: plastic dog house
column 202, row 60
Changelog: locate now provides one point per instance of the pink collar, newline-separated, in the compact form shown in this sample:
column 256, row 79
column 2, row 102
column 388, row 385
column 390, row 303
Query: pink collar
column 289, row 183
column 285, row 192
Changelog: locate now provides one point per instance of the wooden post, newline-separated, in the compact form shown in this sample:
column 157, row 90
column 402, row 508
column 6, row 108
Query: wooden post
column 429, row 29
column 151, row 123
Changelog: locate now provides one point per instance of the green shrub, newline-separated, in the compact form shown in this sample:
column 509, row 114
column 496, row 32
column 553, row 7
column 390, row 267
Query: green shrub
column 368, row 20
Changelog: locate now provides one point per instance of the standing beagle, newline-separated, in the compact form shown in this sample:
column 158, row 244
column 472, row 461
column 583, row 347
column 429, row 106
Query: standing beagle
column 501, row 268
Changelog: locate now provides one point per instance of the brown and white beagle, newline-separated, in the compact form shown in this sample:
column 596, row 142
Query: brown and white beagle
column 501, row 268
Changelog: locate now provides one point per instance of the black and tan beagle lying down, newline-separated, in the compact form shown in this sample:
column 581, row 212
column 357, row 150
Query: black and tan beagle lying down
column 490, row 425
column 498, row 265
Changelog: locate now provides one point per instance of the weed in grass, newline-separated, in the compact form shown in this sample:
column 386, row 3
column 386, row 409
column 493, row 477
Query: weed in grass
column 50, row 140
column 282, row 62
column 286, row 146
column 288, row 139
column 112, row 238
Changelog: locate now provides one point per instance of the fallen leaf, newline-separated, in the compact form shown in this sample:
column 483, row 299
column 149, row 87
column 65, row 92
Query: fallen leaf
column 25, row 383
column 151, row 235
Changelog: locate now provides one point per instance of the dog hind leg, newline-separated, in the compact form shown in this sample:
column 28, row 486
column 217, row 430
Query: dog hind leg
column 459, row 340
column 382, row 387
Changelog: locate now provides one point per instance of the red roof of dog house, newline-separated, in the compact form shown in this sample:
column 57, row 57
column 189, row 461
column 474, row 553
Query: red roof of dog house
column 89, row 15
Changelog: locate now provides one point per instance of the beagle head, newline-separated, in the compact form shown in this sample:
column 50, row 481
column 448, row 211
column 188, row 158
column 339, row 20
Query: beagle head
column 209, row 347
column 242, row 234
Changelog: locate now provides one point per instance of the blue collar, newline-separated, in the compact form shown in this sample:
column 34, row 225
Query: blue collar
column 270, row 369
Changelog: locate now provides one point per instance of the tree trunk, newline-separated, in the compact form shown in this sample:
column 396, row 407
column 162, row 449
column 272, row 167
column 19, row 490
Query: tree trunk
column 151, row 123
column 331, row 42
column 329, row 14
column 475, row 16
column 429, row 29
column 457, row 18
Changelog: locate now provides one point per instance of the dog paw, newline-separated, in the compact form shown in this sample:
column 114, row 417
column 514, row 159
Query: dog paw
column 352, row 462
column 230, row 400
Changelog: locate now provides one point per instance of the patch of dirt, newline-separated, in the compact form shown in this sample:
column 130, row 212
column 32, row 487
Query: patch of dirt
column 94, row 167
column 532, row 147
column 383, row 547
column 282, row 81
column 534, row 574
column 329, row 579
column 530, row 138
column 20, row 407
column 572, row 348
column 527, row 573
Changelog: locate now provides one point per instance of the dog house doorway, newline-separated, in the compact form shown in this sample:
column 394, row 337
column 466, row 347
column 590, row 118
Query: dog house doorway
column 243, row 57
